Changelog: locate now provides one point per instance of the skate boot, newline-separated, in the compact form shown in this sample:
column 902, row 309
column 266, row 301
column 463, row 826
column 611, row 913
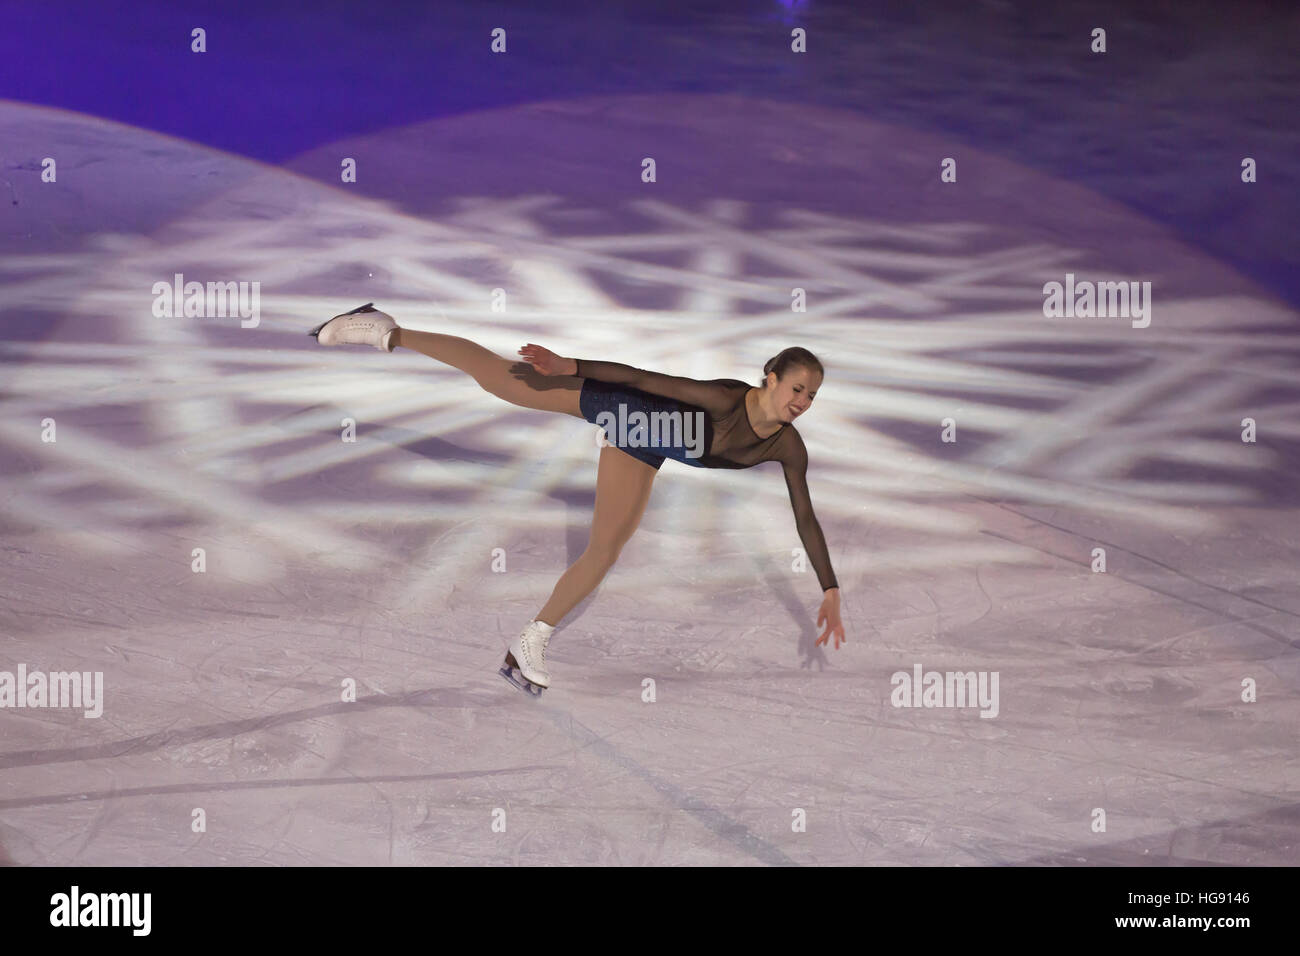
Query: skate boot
column 362, row 326
column 525, row 664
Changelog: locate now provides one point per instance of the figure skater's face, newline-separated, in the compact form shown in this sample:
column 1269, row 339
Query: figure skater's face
column 794, row 394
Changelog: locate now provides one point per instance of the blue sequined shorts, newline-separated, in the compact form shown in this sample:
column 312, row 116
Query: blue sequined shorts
column 597, row 397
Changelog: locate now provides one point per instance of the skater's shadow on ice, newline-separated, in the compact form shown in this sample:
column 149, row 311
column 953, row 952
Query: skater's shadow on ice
column 780, row 587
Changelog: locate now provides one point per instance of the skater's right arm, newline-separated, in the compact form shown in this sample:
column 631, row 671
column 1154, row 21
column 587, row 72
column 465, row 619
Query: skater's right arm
column 714, row 397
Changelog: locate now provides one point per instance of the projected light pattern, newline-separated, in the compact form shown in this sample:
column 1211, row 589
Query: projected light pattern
column 916, row 323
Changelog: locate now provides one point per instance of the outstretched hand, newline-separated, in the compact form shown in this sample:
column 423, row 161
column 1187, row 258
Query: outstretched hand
column 546, row 361
column 830, row 615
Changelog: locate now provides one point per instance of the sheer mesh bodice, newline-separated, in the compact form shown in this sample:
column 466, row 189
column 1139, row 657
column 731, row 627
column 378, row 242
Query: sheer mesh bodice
column 731, row 442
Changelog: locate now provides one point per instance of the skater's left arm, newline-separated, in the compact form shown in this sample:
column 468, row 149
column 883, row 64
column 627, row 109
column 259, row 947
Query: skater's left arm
column 795, row 464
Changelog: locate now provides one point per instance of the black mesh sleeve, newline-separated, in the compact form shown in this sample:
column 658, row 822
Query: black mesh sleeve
column 795, row 462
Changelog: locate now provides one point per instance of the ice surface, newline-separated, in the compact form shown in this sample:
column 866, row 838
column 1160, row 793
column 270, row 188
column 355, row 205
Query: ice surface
column 372, row 560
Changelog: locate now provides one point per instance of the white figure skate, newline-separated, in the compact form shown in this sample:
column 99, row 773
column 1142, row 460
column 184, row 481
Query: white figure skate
column 362, row 326
column 525, row 664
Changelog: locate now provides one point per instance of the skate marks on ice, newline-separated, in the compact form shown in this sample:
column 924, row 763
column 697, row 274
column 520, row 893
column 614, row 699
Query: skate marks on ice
column 1211, row 598
column 725, row 828
column 194, row 426
column 236, row 786
column 203, row 733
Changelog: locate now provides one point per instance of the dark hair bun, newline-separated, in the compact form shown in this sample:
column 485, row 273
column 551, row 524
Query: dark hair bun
column 786, row 358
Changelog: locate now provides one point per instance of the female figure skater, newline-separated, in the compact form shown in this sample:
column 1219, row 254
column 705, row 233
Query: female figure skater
column 742, row 426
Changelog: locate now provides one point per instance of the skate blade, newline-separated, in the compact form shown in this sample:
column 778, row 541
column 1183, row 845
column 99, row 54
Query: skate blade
column 520, row 681
column 368, row 307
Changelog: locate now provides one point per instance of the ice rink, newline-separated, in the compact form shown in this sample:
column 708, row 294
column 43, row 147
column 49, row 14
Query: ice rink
column 405, row 560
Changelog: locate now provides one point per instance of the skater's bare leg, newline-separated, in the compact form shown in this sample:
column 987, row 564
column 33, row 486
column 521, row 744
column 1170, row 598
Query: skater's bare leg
column 516, row 382
column 623, row 486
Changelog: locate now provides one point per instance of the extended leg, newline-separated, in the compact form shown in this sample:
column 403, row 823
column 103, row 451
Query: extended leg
column 516, row 382
column 623, row 486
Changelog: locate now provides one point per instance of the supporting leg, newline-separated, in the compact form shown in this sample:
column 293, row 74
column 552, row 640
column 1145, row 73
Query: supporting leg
column 623, row 485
